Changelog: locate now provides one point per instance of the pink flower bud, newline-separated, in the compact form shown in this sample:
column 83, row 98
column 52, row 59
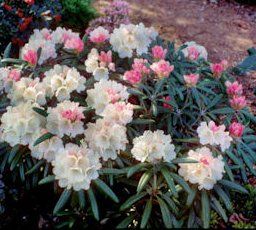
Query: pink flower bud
column 31, row 57
column 162, row 68
column 140, row 66
column 236, row 129
column 133, row 76
column 191, row 79
column 218, row 68
column 74, row 44
column 238, row 102
column 193, row 53
column 158, row 52
column 234, row 88
column 165, row 105
column 15, row 75
column 105, row 57
column 72, row 115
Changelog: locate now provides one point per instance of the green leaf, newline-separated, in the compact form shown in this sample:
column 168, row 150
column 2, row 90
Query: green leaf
column 35, row 167
column 111, row 171
column 15, row 160
column 7, row 51
column 13, row 153
column 44, row 137
column 133, row 199
column 191, row 197
column 165, row 213
column 62, row 200
column 171, row 204
column 233, row 186
column 166, row 174
column 181, row 181
column 144, row 180
column 125, row 223
column 225, row 111
column 93, row 203
column 205, row 209
column 224, row 197
column 146, row 214
column 218, row 208
column 81, row 198
column 40, row 111
column 106, row 189
column 183, row 160
column 140, row 121
column 135, row 169
column 47, row 179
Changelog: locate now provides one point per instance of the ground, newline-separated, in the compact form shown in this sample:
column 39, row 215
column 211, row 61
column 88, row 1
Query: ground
column 226, row 29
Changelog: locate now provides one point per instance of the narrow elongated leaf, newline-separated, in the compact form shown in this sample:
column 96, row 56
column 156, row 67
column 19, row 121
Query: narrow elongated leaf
column 170, row 203
column 205, row 209
column 13, row 153
column 40, row 111
column 81, row 198
column 111, row 171
column 47, row 179
column 62, row 200
column 167, row 176
column 43, row 138
column 181, row 181
column 140, row 121
column 93, row 203
column 7, row 51
column 226, row 110
column 125, row 223
column 224, row 197
column 133, row 199
column 144, row 180
column 146, row 214
column 106, row 189
column 165, row 213
column 218, row 208
column 15, row 160
column 135, row 169
column 183, row 160
column 233, row 185
column 35, row 167
column 191, row 197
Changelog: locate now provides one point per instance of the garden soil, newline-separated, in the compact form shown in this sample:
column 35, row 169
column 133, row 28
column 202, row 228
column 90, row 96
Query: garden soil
column 227, row 29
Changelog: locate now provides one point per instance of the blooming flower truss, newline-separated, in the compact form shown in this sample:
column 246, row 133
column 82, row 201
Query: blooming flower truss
column 126, row 108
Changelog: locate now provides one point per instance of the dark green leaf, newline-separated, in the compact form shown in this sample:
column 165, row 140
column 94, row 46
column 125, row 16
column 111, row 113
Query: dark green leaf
column 40, row 111
column 144, row 180
column 106, row 189
column 125, row 223
column 44, row 137
column 47, row 179
column 233, row 186
column 166, row 174
column 146, row 214
column 62, row 200
column 165, row 213
column 133, row 199
column 205, row 209
column 93, row 203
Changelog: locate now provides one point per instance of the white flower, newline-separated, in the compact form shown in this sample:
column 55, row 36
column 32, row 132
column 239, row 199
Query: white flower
column 153, row 147
column 65, row 118
column 99, row 35
column 27, row 89
column 206, row 172
column 104, row 93
column 193, row 51
column 61, row 81
column 128, row 38
column 214, row 135
column 41, row 39
column 46, row 149
column 119, row 112
column 4, row 72
column 61, row 35
column 106, row 138
column 75, row 167
column 99, row 64
column 20, row 124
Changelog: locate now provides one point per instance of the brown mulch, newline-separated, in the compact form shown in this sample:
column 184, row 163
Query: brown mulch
column 226, row 29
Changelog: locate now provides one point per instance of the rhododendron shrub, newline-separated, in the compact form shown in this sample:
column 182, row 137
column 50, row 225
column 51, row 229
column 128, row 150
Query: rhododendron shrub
column 160, row 129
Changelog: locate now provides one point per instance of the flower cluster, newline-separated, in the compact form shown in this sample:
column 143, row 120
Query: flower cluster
column 44, row 41
column 213, row 134
column 153, row 147
column 206, row 172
